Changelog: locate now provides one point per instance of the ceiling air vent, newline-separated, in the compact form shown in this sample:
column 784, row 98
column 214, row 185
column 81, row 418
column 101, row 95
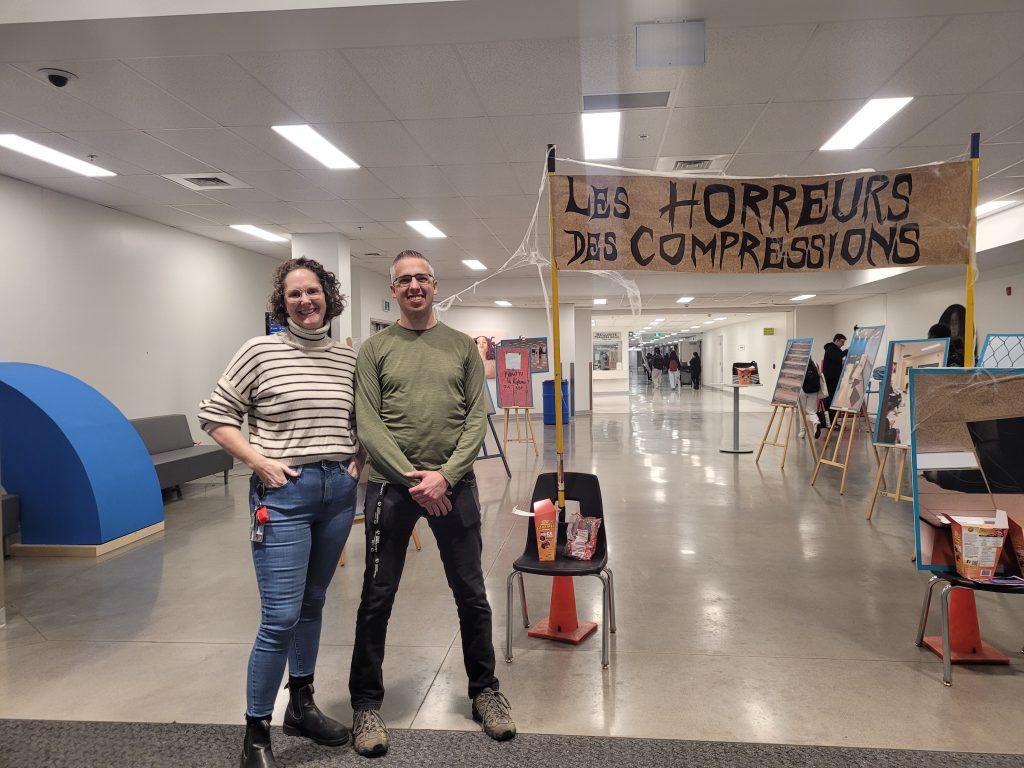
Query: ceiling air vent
column 691, row 165
column 703, row 166
column 206, row 182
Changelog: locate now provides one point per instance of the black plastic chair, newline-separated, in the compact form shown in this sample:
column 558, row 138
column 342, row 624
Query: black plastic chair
column 586, row 490
column 953, row 581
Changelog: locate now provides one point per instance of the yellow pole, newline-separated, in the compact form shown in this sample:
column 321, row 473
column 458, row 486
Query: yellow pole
column 972, row 260
column 556, row 332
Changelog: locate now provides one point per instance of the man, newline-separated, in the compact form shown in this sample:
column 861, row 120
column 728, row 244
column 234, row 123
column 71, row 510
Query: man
column 832, row 368
column 421, row 417
column 657, row 365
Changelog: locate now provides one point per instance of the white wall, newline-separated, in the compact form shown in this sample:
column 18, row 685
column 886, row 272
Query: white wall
column 369, row 292
column 766, row 350
column 584, row 358
column 147, row 314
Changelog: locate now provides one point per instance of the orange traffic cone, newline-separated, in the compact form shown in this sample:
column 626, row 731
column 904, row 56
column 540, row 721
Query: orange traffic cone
column 965, row 643
column 561, row 623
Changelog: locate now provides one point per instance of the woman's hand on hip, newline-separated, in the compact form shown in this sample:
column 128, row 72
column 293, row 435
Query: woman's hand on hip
column 272, row 472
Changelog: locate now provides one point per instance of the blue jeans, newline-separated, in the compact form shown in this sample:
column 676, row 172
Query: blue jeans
column 310, row 519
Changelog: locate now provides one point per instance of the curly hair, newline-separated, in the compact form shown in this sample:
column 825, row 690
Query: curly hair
column 334, row 298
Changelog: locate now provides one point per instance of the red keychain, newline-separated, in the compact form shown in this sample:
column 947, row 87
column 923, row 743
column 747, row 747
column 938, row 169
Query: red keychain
column 260, row 518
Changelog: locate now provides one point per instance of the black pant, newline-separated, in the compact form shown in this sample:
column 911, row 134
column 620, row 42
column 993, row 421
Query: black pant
column 832, row 384
column 391, row 515
column 695, row 379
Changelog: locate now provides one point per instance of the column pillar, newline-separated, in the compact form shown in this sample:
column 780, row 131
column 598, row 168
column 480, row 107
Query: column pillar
column 334, row 251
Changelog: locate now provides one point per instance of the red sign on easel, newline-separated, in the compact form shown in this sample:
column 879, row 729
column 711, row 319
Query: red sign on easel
column 512, row 378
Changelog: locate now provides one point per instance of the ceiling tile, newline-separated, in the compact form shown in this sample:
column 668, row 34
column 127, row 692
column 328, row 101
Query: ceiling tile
column 217, row 87
column 11, row 124
column 92, row 189
column 463, row 227
column 20, row 166
column 821, row 163
column 279, row 213
column 350, row 184
column 440, row 208
column 1013, row 133
column 164, row 214
column 1000, row 158
column 82, row 152
column 417, row 181
column 608, row 65
column 483, row 179
column 531, row 174
column 767, row 164
column 642, row 131
column 384, row 210
column 220, row 148
column 525, row 77
column 802, row 125
column 31, row 98
column 710, row 130
column 852, row 59
column 906, row 157
column 375, row 145
column 363, row 230
column 158, row 189
column 313, row 227
column 330, row 210
column 988, row 113
column 910, row 120
column 1009, row 188
column 118, row 90
column 239, row 196
column 289, row 186
column 1010, row 79
column 418, row 82
column 744, row 65
column 503, row 206
column 320, row 85
column 276, row 146
column 967, row 52
column 225, row 214
column 457, row 140
column 141, row 149
column 526, row 138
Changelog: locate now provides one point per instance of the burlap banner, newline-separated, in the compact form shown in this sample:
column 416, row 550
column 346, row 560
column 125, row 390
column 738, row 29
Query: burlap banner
column 908, row 217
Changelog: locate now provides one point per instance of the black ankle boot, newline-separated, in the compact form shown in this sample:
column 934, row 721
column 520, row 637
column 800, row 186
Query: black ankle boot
column 256, row 751
column 304, row 718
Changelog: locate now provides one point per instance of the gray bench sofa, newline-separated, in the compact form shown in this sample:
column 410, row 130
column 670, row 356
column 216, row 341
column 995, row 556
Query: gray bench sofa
column 175, row 457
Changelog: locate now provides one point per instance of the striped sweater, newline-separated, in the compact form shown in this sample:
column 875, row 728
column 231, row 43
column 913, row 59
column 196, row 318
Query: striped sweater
column 297, row 388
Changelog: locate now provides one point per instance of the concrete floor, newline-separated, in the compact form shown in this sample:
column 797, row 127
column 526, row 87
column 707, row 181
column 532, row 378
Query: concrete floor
column 751, row 607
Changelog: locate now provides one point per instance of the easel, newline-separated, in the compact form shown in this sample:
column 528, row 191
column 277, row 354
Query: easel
column 519, row 435
column 782, row 411
column 500, row 454
column 903, row 450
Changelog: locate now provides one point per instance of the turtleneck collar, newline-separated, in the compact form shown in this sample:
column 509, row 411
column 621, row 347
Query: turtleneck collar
column 303, row 337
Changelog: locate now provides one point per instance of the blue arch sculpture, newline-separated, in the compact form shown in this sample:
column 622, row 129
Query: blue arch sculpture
column 81, row 470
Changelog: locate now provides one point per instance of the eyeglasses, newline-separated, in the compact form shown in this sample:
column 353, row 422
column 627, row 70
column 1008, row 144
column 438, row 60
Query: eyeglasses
column 420, row 278
column 296, row 294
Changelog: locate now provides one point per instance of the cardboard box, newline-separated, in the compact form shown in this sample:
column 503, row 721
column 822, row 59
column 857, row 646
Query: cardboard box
column 1017, row 542
column 978, row 544
column 545, row 523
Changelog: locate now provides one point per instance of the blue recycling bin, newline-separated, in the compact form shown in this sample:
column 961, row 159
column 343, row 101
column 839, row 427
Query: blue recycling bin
column 549, row 401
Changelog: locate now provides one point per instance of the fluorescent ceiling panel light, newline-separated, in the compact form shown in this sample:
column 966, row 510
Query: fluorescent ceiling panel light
column 930, row 347
column 694, row 327
column 426, row 229
column 991, row 207
column 51, row 156
column 474, row 264
column 600, row 301
column 708, row 322
column 868, row 119
column 503, row 303
column 684, row 299
column 721, row 318
column 659, row 320
column 316, row 146
column 249, row 229
column 601, row 135
column 804, row 297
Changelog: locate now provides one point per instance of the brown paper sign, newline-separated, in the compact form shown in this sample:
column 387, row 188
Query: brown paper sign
column 908, row 217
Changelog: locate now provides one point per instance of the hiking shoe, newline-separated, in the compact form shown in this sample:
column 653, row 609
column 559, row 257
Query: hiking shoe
column 369, row 734
column 493, row 710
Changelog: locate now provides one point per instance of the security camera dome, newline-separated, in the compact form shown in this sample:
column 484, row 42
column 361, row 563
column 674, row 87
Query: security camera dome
column 57, row 77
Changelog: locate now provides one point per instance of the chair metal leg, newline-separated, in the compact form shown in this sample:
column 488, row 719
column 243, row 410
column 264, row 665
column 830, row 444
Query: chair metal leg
column 611, row 598
column 925, row 608
column 605, row 611
column 947, row 661
column 508, row 617
column 522, row 601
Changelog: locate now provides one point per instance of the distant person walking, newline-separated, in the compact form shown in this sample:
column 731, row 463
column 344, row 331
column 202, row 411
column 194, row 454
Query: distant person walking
column 657, row 366
column 673, row 369
column 832, row 369
column 695, row 371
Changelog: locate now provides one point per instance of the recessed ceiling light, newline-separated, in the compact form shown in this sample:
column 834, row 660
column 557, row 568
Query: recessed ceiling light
column 694, row 327
column 426, row 229
column 249, row 229
column 503, row 303
column 804, row 297
column 600, row 301
column 474, row 264
column 684, row 299
column 868, row 119
column 659, row 320
column 316, row 146
column 721, row 318
column 601, row 135
column 991, row 207
column 51, row 156
column 708, row 322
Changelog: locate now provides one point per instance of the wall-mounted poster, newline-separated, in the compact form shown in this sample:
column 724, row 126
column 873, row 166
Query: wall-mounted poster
column 892, row 426
column 856, row 373
column 1002, row 350
column 746, row 374
column 514, row 385
column 538, row 352
column 792, row 371
column 486, row 344
column 967, row 442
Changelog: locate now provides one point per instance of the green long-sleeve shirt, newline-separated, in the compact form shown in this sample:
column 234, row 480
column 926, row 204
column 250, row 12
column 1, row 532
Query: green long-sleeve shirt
column 420, row 402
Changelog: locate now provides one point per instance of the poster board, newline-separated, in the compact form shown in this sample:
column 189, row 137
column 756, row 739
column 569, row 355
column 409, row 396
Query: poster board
column 513, row 377
column 1002, row 350
column 892, row 425
column 967, row 444
column 851, row 391
column 792, row 371
column 803, row 225
column 538, row 347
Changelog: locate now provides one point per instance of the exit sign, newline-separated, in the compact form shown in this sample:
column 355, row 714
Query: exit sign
column 387, row 305
column 769, row 331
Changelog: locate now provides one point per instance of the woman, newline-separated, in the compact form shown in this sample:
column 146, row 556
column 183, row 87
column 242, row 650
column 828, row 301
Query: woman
column 485, row 346
column 695, row 370
column 673, row 368
column 297, row 389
